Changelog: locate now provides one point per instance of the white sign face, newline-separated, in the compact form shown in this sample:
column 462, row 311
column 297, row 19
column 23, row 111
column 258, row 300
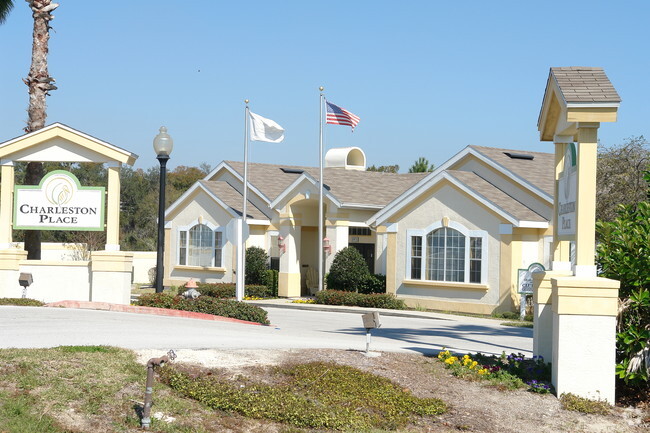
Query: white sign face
column 59, row 202
column 526, row 278
column 566, row 195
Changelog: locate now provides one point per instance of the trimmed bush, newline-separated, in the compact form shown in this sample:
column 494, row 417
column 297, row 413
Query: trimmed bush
column 373, row 284
column 21, row 302
column 378, row 300
column 227, row 290
column 272, row 281
column 348, row 272
column 256, row 266
column 206, row 304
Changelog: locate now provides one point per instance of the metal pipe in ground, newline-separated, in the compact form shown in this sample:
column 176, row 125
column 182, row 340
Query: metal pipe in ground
column 148, row 393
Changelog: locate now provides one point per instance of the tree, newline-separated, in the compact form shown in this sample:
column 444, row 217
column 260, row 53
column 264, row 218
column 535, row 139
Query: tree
column 40, row 84
column 620, row 176
column 421, row 166
column 384, row 168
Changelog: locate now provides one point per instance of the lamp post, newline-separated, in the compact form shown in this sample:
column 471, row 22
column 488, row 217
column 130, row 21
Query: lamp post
column 162, row 145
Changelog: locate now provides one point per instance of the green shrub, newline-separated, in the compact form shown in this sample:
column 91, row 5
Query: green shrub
column 227, row 290
column 377, row 300
column 584, row 405
column 256, row 266
column 272, row 281
column 314, row 395
column 348, row 271
column 373, row 284
column 22, row 302
column 206, row 304
column 623, row 253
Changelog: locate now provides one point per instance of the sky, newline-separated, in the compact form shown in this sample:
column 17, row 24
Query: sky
column 427, row 78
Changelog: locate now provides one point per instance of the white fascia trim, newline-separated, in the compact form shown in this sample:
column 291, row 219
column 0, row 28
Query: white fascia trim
column 290, row 192
column 251, row 187
column 362, row 206
column 403, row 199
column 593, row 104
column 258, row 222
column 193, row 188
column 74, row 131
column 533, row 224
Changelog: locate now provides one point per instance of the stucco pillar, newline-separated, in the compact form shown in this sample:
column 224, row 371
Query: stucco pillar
column 111, row 276
column 586, row 200
column 113, row 208
column 337, row 233
column 6, row 203
column 10, row 271
column 289, row 275
column 391, row 258
column 561, row 261
column 584, row 336
column 543, row 313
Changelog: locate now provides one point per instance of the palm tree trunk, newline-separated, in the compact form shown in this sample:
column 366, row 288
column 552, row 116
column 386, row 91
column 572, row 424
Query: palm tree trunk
column 40, row 84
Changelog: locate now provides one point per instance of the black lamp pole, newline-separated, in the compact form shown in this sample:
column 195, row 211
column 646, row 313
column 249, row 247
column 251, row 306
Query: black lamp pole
column 161, row 223
column 162, row 145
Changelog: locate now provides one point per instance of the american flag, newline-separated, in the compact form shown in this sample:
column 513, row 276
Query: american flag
column 340, row 116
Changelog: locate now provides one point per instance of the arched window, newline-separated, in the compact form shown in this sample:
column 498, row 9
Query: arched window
column 200, row 246
column 446, row 253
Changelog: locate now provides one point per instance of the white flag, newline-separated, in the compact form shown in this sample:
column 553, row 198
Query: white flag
column 263, row 129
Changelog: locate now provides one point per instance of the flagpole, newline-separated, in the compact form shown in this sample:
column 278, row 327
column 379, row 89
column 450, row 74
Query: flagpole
column 241, row 253
column 320, row 196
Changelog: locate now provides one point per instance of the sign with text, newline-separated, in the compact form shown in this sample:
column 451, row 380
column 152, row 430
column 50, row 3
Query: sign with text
column 59, row 202
column 525, row 280
column 566, row 195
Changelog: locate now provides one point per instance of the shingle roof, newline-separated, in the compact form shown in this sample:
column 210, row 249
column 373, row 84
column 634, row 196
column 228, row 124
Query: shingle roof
column 496, row 196
column 539, row 171
column 367, row 188
column 232, row 198
column 585, row 84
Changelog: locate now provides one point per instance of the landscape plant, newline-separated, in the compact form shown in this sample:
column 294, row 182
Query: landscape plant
column 377, row 300
column 505, row 371
column 256, row 266
column 348, row 272
column 623, row 254
column 23, row 302
column 206, row 304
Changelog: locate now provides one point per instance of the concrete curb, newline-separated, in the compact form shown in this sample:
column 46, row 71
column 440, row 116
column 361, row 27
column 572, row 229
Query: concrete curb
column 105, row 306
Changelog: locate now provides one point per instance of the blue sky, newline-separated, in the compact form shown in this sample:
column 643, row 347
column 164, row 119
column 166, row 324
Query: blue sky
column 427, row 78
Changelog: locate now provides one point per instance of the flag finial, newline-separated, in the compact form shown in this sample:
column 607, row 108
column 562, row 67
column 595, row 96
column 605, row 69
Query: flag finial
column 321, row 88
column 246, row 101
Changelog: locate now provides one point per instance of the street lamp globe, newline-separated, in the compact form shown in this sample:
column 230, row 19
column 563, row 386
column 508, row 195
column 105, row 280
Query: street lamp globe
column 163, row 143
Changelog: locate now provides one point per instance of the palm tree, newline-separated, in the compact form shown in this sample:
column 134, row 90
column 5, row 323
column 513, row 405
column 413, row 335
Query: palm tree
column 421, row 166
column 40, row 84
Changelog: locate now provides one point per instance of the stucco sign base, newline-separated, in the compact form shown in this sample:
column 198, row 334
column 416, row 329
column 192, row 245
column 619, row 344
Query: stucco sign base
column 584, row 336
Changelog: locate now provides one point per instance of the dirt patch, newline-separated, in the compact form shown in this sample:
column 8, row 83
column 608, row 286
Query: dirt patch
column 473, row 406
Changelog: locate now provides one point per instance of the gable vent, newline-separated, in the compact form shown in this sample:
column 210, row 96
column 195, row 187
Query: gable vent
column 520, row 156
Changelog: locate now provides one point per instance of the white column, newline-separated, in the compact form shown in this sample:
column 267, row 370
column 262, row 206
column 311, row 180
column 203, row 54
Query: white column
column 113, row 207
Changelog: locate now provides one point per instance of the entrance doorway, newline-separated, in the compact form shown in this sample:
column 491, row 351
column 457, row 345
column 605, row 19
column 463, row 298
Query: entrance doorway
column 368, row 253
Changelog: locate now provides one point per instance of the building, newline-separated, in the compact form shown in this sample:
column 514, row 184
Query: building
column 453, row 239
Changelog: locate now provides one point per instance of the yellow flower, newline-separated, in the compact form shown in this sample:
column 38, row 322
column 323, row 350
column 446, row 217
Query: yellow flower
column 474, row 364
column 483, row 371
column 451, row 360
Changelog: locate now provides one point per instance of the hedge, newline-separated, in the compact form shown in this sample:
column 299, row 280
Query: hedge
column 206, row 304
column 378, row 300
column 23, row 302
column 227, row 290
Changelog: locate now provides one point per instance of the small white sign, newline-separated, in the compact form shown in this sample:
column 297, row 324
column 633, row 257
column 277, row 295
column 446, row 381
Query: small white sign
column 525, row 282
column 59, row 202
column 566, row 195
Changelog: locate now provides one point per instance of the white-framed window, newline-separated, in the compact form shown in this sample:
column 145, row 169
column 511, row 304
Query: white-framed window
column 447, row 253
column 200, row 244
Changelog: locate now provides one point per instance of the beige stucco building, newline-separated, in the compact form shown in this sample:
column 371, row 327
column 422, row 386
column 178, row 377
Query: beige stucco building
column 452, row 239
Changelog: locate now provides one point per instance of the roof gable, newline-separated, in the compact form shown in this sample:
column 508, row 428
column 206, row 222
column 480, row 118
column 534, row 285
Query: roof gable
column 58, row 142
